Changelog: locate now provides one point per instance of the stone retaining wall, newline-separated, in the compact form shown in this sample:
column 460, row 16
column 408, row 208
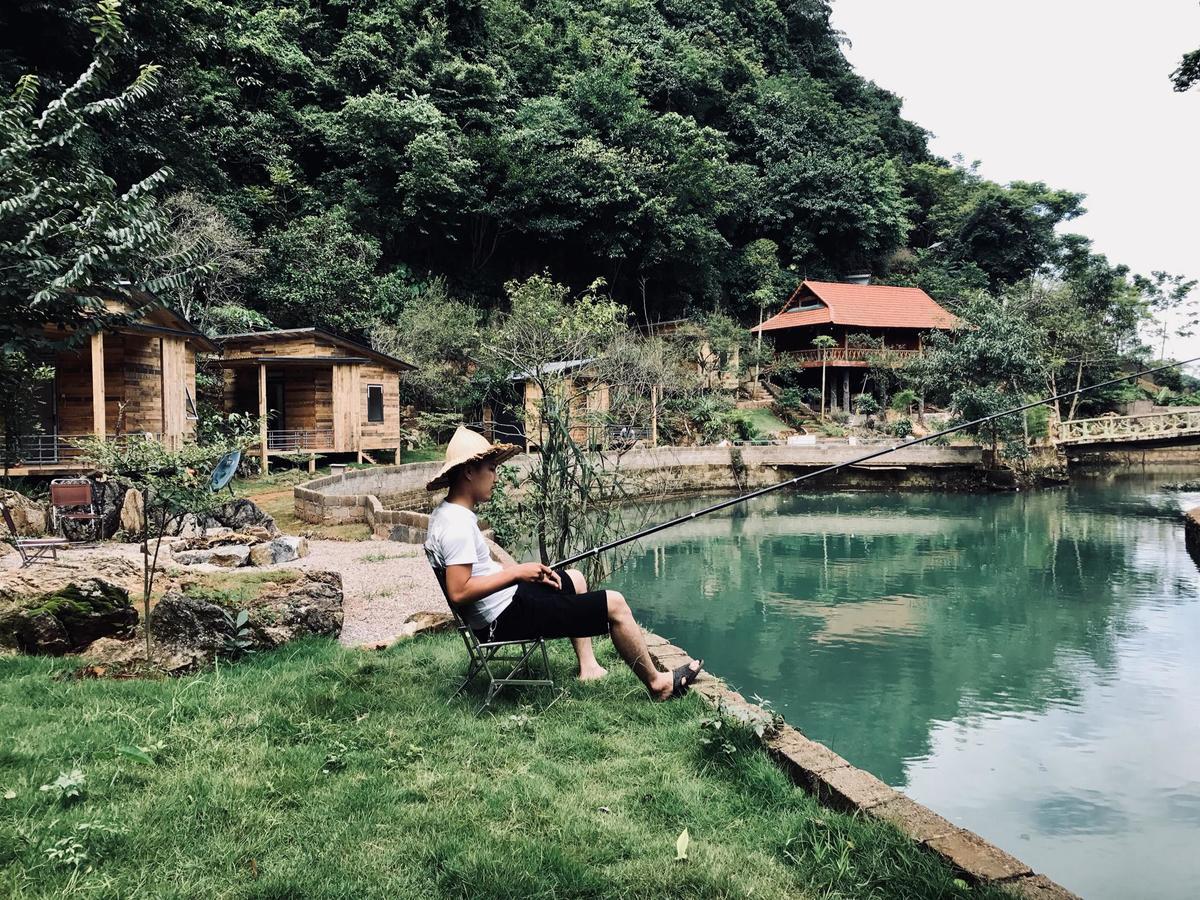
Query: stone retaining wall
column 1191, row 532
column 391, row 498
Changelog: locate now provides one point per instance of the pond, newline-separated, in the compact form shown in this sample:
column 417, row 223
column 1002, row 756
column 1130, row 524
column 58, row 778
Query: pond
column 1027, row 665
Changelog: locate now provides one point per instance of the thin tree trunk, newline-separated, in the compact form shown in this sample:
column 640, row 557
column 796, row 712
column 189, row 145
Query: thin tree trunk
column 1075, row 399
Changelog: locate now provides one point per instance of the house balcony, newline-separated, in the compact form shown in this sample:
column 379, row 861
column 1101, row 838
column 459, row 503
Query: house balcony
column 851, row 357
column 36, row 453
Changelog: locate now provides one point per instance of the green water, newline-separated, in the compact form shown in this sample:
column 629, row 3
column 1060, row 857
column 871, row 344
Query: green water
column 1027, row 665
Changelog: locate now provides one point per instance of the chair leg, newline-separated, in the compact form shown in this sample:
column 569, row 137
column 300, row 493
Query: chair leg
column 472, row 671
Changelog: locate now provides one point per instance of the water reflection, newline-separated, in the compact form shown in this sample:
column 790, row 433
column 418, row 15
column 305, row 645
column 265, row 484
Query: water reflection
column 1028, row 647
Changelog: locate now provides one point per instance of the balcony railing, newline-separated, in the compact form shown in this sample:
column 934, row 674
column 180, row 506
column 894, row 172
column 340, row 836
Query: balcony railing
column 625, row 435
column 289, row 441
column 868, row 355
column 51, row 449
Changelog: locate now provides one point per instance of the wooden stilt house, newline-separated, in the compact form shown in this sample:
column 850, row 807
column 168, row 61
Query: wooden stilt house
column 136, row 376
column 317, row 392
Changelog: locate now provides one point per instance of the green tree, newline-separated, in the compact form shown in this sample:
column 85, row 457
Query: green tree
column 1188, row 73
column 990, row 364
column 320, row 272
column 1173, row 307
column 69, row 233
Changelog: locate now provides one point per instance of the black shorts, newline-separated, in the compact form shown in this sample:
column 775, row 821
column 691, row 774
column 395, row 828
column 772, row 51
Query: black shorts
column 540, row 611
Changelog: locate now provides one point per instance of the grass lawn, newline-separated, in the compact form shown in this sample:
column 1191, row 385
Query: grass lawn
column 323, row 772
column 767, row 423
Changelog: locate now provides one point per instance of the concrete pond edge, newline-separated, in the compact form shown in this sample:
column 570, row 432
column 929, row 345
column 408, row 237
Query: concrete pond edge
column 835, row 783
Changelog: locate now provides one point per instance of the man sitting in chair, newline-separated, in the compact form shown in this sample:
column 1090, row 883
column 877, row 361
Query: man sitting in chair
column 527, row 601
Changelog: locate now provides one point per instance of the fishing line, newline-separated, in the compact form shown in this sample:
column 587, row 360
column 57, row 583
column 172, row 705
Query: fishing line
column 733, row 501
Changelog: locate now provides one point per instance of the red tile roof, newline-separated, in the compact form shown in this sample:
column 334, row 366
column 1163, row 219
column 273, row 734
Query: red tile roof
column 870, row 305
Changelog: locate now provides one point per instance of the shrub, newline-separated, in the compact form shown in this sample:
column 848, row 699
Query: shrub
column 903, row 401
column 901, row 428
column 866, row 404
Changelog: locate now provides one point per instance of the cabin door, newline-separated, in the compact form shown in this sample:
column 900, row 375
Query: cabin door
column 276, row 413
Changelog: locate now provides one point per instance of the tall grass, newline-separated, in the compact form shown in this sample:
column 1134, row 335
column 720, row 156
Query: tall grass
column 322, row 772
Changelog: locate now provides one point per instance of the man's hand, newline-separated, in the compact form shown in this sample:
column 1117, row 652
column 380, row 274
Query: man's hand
column 536, row 573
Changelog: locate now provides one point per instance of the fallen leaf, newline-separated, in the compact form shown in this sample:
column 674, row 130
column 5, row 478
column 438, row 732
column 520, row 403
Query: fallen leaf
column 681, row 845
column 253, row 868
column 10, row 794
column 604, row 809
column 135, row 753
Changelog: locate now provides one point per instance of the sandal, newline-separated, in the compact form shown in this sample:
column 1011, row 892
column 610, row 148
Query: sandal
column 683, row 677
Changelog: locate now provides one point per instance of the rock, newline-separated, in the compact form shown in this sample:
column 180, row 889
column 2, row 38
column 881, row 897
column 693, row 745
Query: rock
column 417, row 623
column 241, row 515
column 108, row 496
column 133, row 512
column 23, row 586
column 311, row 605
column 179, row 620
column 228, row 556
column 43, row 635
column 280, row 550
column 29, row 516
column 68, row 619
column 118, row 655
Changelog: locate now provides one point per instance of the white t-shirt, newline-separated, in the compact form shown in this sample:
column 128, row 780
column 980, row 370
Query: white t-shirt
column 454, row 539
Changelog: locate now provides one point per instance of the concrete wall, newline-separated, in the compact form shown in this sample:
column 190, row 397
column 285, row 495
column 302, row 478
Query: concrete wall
column 391, row 499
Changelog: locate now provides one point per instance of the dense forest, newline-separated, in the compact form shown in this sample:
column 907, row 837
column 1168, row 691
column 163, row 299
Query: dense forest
column 342, row 162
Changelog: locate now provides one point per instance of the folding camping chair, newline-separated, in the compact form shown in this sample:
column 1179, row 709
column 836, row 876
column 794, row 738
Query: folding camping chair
column 32, row 549
column 71, row 500
column 482, row 655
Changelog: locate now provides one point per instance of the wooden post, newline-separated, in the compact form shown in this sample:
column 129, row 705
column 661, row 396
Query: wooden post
column 846, row 389
column 98, row 384
column 654, row 415
column 312, row 464
column 823, row 366
column 262, row 414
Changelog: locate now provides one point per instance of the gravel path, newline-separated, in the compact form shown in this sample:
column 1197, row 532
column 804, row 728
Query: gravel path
column 383, row 582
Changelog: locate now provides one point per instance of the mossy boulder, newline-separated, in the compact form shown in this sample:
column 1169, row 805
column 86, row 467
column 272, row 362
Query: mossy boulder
column 68, row 619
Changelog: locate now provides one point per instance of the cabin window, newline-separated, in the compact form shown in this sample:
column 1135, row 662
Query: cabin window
column 374, row 402
column 189, row 405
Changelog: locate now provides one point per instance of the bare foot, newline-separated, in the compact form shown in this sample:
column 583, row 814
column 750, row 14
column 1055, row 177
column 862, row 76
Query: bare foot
column 593, row 672
column 663, row 685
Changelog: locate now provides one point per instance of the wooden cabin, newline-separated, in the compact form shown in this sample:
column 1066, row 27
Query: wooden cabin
column 592, row 420
column 892, row 319
column 133, row 378
column 317, row 392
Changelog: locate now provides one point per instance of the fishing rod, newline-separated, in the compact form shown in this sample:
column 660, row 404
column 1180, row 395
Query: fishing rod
column 733, row 501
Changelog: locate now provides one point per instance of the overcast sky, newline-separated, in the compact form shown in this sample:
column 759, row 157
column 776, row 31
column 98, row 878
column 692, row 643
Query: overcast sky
column 1071, row 92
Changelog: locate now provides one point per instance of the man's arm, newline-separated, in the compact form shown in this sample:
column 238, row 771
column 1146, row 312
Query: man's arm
column 463, row 587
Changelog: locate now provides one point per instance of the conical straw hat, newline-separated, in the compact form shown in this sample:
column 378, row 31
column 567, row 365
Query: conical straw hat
column 468, row 446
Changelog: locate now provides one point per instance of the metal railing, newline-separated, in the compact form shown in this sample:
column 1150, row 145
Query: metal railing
column 623, row 435
column 293, row 440
column 877, row 355
column 51, row 449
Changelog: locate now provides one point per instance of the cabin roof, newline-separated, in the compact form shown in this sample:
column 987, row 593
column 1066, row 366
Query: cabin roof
column 551, row 368
column 154, row 316
column 866, row 305
column 362, row 352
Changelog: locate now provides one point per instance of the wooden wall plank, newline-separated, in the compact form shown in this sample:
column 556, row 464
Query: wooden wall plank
column 344, row 407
